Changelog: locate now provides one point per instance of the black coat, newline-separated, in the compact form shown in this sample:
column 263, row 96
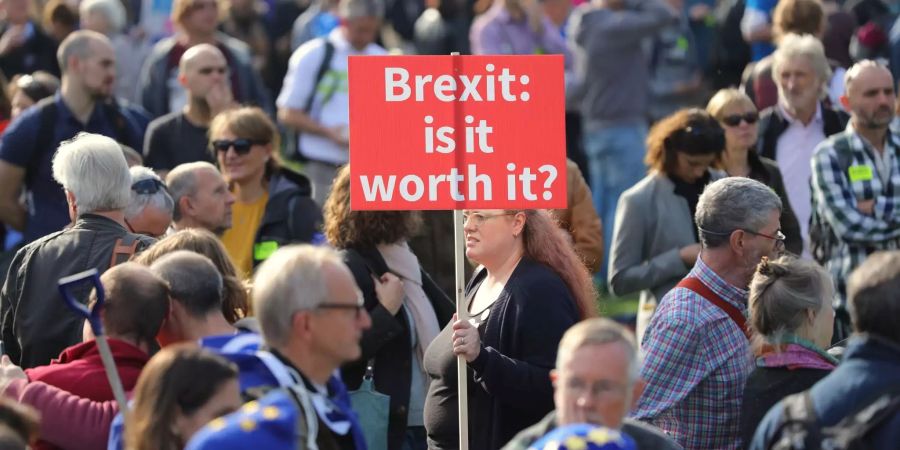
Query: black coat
column 388, row 340
column 765, row 387
column 37, row 53
column 291, row 215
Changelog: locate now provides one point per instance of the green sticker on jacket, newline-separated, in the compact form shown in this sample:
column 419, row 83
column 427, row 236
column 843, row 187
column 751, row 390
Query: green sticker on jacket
column 264, row 249
column 860, row 173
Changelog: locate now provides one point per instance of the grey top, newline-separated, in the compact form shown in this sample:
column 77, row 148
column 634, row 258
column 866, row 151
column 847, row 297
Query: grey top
column 610, row 61
column 652, row 224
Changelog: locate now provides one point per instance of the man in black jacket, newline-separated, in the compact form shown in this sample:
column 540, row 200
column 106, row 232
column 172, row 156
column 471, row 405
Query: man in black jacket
column 791, row 130
column 36, row 324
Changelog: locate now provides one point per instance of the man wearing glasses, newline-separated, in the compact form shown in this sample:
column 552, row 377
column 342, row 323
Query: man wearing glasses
column 598, row 394
column 312, row 317
column 696, row 348
column 181, row 136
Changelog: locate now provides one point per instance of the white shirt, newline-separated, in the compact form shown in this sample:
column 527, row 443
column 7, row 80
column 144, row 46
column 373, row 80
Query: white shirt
column 793, row 153
column 331, row 106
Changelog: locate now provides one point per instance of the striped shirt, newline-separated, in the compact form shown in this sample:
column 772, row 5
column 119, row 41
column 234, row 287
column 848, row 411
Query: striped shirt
column 696, row 361
column 837, row 188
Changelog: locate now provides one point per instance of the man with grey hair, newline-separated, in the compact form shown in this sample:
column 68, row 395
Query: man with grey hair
column 36, row 325
column 84, row 104
column 696, row 348
column 791, row 130
column 599, row 394
column 150, row 210
column 202, row 198
column 315, row 102
column 197, row 290
column 312, row 318
column 854, row 183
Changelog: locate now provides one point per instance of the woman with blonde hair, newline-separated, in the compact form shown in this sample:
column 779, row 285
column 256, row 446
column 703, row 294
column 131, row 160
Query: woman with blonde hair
column 792, row 320
column 531, row 286
column 655, row 240
column 273, row 205
column 407, row 308
column 738, row 116
column 171, row 402
column 236, row 297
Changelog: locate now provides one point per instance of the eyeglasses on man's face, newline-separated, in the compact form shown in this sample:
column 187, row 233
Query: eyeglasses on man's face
column 779, row 237
column 358, row 307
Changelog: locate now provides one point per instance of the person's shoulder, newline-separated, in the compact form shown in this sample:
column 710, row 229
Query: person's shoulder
column 165, row 121
column 268, row 423
column 161, row 49
column 643, row 188
column 647, row 436
column 534, row 282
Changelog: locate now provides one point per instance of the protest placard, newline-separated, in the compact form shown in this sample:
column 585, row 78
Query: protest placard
column 457, row 132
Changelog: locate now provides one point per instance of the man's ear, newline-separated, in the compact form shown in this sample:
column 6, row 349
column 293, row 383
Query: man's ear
column 736, row 240
column 182, row 80
column 554, row 377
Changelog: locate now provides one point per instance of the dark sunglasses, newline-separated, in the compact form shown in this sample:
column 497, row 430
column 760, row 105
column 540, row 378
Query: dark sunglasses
column 148, row 187
column 735, row 120
column 241, row 146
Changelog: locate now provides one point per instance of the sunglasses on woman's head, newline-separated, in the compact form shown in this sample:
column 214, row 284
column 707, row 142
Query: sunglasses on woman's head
column 241, row 146
column 148, row 186
column 735, row 119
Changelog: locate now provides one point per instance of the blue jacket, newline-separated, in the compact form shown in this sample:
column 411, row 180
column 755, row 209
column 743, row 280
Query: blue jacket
column 871, row 366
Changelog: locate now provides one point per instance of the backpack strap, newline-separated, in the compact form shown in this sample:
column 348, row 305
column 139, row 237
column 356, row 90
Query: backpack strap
column 697, row 286
column 124, row 249
column 44, row 136
column 798, row 422
column 320, row 73
column 858, row 425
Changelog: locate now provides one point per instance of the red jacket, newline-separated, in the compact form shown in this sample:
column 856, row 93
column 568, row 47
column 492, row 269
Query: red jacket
column 79, row 370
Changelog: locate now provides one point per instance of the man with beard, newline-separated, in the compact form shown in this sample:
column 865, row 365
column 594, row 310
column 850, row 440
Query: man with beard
column 791, row 130
column 855, row 185
column 181, row 136
column 84, row 103
column 696, row 349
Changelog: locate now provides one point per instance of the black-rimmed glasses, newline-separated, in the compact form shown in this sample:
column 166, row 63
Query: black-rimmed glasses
column 778, row 238
column 241, row 146
column 359, row 306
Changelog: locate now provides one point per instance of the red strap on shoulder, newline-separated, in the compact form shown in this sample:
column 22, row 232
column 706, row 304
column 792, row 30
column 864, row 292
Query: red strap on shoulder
column 694, row 284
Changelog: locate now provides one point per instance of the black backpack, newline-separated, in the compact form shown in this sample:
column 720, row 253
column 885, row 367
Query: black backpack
column 800, row 429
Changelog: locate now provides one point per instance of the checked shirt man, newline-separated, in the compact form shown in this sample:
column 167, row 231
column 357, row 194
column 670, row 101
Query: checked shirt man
column 856, row 180
column 696, row 352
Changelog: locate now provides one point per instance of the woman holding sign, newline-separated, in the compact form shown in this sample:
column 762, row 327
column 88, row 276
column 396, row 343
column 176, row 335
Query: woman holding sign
column 530, row 288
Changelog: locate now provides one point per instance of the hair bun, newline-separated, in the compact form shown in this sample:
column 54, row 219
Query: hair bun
column 770, row 268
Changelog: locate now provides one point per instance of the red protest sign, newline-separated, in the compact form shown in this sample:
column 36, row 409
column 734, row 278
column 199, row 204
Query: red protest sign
column 457, row 132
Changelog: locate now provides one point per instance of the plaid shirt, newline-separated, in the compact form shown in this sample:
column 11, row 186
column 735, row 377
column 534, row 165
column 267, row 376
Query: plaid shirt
column 836, row 191
column 696, row 361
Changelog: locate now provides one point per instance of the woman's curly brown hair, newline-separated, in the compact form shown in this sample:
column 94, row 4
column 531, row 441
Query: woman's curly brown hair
column 345, row 228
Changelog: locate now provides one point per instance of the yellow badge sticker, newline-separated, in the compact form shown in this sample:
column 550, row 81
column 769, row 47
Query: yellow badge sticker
column 859, row 173
column 264, row 250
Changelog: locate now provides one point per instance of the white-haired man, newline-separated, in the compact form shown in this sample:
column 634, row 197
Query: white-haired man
column 150, row 210
column 312, row 317
column 599, row 394
column 36, row 325
column 791, row 130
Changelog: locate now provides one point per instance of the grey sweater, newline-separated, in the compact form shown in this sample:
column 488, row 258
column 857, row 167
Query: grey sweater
column 610, row 62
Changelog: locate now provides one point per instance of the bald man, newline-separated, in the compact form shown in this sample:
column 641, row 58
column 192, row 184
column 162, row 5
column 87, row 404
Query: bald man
column 181, row 136
column 856, row 194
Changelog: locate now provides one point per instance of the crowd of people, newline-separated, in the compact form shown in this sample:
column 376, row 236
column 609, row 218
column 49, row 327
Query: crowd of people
column 734, row 163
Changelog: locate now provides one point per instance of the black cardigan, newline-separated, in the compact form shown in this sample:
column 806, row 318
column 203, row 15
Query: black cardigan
column 388, row 339
column 772, row 126
column 509, row 381
column 767, row 172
